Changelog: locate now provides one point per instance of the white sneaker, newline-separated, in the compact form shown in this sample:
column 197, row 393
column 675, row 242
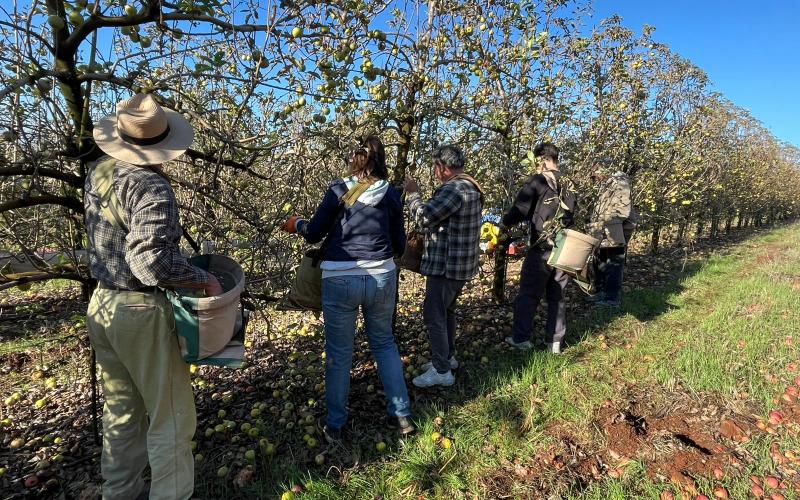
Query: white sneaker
column 519, row 345
column 554, row 348
column 432, row 377
column 453, row 364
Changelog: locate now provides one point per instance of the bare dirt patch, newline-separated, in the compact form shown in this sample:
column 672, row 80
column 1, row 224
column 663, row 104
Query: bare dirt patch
column 681, row 439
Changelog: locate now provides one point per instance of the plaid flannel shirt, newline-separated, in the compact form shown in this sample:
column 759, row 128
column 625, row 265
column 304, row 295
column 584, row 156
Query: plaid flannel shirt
column 149, row 253
column 451, row 222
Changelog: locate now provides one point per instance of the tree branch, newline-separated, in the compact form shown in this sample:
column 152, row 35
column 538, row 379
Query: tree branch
column 34, row 277
column 65, row 201
column 96, row 21
column 28, row 169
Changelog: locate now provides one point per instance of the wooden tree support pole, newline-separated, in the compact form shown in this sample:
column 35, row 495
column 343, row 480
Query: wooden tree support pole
column 93, row 376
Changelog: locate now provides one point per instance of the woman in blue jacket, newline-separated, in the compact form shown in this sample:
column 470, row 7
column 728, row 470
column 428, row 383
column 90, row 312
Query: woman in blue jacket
column 362, row 215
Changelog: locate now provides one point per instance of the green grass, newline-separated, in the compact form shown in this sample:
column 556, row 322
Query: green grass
column 720, row 333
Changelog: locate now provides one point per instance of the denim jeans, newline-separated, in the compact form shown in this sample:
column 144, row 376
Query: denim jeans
column 342, row 296
column 538, row 279
column 611, row 266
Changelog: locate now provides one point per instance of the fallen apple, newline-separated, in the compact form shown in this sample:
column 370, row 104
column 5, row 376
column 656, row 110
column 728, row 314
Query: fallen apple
column 223, row 471
column 720, row 492
column 380, row 446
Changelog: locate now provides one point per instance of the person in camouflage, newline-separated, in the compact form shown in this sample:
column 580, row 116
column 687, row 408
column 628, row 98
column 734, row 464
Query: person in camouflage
column 613, row 221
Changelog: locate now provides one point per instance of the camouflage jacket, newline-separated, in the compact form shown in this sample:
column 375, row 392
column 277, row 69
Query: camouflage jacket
column 614, row 202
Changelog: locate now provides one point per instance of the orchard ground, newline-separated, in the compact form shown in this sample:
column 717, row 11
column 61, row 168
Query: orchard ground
column 690, row 389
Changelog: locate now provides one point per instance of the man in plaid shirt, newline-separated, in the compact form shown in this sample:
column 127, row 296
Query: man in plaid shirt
column 451, row 223
column 132, row 225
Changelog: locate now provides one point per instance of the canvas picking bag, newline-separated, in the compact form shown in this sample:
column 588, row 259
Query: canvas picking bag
column 572, row 250
column 211, row 329
column 306, row 291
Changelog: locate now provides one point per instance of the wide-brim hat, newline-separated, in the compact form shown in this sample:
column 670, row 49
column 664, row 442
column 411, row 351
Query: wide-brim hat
column 143, row 133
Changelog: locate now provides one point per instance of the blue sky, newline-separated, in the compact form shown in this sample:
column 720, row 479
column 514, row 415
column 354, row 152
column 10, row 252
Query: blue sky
column 749, row 49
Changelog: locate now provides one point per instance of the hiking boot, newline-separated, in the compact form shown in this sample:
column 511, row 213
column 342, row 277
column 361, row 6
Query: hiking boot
column 553, row 347
column 524, row 346
column 403, row 425
column 453, row 364
column 432, row 377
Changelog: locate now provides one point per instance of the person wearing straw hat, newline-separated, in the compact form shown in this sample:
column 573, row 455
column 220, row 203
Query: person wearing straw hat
column 613, row 221
column 133, row 230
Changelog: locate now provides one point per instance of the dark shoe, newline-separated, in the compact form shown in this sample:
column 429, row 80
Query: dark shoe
column 333, row 435
column 403, row 425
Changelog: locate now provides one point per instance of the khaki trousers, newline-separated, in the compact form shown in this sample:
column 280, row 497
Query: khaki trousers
column 143, row 375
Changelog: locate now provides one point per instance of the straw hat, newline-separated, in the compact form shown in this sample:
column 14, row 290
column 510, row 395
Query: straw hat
column 143, row 133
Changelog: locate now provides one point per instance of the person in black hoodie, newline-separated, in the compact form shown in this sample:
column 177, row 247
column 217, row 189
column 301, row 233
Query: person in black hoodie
column 543, row 201
column 362, row 215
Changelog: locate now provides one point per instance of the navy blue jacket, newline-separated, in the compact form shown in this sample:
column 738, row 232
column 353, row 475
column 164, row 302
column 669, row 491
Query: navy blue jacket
column 363, row 232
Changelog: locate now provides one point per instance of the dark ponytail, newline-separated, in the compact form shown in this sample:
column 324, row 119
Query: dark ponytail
column 376, row 159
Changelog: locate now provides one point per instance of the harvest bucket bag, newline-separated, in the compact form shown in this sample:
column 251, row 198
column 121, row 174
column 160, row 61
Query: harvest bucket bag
column 572, row 250
column 210, row 329
column 306, row 291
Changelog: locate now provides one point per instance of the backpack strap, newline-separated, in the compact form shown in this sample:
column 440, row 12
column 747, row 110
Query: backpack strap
column 103, row 179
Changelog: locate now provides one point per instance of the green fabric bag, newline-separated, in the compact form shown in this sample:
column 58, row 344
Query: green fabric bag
column 211, row 329
column 306, row 292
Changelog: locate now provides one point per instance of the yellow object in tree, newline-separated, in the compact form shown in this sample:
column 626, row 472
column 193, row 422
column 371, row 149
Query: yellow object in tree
column 490, row 233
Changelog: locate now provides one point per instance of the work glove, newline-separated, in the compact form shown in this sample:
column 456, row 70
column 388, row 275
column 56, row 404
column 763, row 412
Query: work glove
column 290, row 226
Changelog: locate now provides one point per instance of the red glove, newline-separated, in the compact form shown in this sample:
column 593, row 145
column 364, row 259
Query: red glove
column 290, row 226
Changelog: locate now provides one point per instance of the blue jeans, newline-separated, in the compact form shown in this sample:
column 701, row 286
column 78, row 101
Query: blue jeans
column 342, row 296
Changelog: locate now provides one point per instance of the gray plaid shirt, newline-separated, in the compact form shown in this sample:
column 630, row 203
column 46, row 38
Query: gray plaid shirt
column 451, row 222
column 148, row 254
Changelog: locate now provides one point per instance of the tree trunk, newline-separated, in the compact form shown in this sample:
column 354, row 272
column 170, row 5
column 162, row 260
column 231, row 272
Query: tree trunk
column 714, row 226
column 500, row 267
column 654, row 239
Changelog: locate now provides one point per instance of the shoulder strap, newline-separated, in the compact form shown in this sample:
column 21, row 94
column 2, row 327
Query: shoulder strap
column 110, row 205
